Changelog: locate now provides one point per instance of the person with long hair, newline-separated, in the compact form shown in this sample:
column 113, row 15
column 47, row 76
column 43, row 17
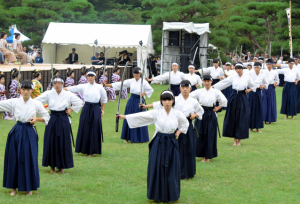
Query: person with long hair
column 136, row 135
column 115, row 77
column 163, row 175
column 57, row 152
column 90, row 128
column 38, row 87
column 236, row 121
column 3, row 95
column 10, row 57
column 18, row 50
column 21, row 169
column 103, row 80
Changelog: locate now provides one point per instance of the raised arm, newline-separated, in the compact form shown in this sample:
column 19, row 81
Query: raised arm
column 75, row 89
column 141, row 119
column 160, row 78
column 43, row 98
column 224, row 83
column 7, row 105
column 117, row 85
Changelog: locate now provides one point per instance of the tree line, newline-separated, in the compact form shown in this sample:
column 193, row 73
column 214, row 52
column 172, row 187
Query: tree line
column 253, row 24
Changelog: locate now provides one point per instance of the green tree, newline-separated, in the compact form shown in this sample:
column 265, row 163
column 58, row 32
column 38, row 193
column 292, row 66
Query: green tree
column 32, row 17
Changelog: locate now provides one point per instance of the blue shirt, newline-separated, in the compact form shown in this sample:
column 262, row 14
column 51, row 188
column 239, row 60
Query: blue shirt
column 95, row 58
column 39, row 60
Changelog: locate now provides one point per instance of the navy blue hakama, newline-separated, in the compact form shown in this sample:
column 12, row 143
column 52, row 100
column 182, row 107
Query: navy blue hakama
column 163, row 178
column 21, row 170
column 256, row 109
column 269, row 104
column 57, row 142
column 289, row 99
column 194, row 88
column 227, row 93
column 175, row 89
column 90, row 130
column 135, row 135
column 207, row 129
column 298, row 97
column 236, row 119
column 187, row 152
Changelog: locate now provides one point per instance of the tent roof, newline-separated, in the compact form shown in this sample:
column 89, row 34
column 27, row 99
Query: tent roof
column 108, row 35
column 199, row 28
column 11, row 38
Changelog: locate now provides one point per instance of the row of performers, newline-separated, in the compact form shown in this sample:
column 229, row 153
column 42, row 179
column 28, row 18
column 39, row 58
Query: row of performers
column 166, row 119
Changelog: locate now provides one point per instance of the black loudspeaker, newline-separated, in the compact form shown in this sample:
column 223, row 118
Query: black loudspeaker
column 173, row 38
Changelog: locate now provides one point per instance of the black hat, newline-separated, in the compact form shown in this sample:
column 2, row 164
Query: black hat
column 257, row 64
column 269, row 61
column 136, row 70
column 184, row 83
column 124, row 51
column 207, row 77
column 291, row 60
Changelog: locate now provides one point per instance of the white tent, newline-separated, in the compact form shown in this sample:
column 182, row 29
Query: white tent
column 170, row 52
column 62, row 37
column 14, row 30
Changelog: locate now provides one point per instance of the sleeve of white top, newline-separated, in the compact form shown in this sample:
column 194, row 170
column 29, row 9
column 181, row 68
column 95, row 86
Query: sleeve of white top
column 221, row 72
column 183, row 123
column 42, row 112
column 276, row 78
column 103, row 98
column 7, row 105
column 78, row 88
column 117, row 85
column 161, row 78
column 195, row 94
column 280, row 71
column 265, row 81
column 141, row 119
column 298, row 75
column 284, row 66
column 157, row 105
column 43, row 98
column 199, row 110
column 76, row 103
column 206, row 70
column 221, row 99
column 184, row 76
column 252, row 85
column 147, row 89
column 224, row 83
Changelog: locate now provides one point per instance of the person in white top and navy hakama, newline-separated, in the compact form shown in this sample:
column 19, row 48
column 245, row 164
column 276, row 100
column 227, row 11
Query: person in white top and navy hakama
column 21, row 170
column 57, row 140
column 269, row 95
column 255, row 98
column 206, row 145
column 90, row 128
column 176, row 78
column 236, row 121
column 136, row 135
column 191, row 109
column 289, row 93
column 163, row 178
column 215, row 72
column 193, row 78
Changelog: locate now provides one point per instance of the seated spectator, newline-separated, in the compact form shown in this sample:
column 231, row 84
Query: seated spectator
column 39, row 58
column 95, row 59
column 73, row 57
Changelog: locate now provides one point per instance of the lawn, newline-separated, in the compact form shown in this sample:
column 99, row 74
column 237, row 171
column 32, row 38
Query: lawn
column 265, row 169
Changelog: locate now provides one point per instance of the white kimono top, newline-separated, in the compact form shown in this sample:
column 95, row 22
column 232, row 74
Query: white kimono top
column 176, row 78
column 272, row 76
column 23, row 112
column 214, row 73
column 209, row 97
column 187, row 107
column 194, row 79
column 163, row 122
column 135, row 86
column 59, row 102
column 92, row 93
column 290, row 75
column 259, row 79
column 237, row 82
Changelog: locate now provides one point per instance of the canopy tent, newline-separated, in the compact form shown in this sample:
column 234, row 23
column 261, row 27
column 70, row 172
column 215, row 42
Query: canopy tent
column 62, row 37
column 11, row 38
column 186, row 49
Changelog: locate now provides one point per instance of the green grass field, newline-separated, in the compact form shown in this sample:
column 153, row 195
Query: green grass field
column 265, row 169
